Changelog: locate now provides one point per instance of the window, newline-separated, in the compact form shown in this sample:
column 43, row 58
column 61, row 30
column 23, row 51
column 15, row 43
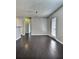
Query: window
column 53, row 26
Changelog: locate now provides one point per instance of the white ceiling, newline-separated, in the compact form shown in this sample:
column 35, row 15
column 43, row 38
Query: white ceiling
column 43, row 7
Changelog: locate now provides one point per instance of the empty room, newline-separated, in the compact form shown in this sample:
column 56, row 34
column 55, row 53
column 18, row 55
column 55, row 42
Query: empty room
column 39, row 29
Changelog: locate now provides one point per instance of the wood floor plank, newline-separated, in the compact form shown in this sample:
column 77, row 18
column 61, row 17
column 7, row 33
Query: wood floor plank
column 38, row 47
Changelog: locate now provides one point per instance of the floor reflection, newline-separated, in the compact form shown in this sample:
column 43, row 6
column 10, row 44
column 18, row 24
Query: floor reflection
column 25, row 42
column 40, row 47
column 52, row 44
column 52, row 48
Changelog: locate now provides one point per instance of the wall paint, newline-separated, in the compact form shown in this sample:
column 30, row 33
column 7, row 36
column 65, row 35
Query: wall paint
column 39, row 26
column 59, row 17
column 19, row 27
column 18, row 33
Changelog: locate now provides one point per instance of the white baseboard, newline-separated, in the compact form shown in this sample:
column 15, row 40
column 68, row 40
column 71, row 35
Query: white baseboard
column 50, row 36
column 39, row 34
column 43, row 34
column 18, row 38
column 55, row 39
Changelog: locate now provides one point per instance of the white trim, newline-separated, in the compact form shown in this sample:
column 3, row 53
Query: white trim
column 39, row 34
column 22, row 34
column 18, row 38
column 56, row 39
column 43, row 34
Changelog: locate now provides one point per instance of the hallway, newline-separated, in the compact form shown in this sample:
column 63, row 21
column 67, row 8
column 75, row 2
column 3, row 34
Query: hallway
column 39, row 47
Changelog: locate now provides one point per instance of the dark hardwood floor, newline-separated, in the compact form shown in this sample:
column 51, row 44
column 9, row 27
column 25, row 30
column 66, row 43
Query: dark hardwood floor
column 38, row 47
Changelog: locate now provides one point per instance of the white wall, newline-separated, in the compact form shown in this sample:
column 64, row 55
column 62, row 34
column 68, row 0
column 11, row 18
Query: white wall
column 18, row 33
column 59, row 25
column 19, row 26
column 39, row 26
